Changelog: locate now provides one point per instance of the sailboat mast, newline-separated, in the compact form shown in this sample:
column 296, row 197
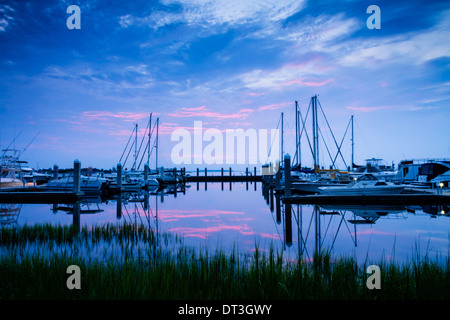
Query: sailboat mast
column 353, row 147
column 157, row 138
column 315, row 129
column 282, row 136
column 135, row 146
column 296, row 132
column 149, row 138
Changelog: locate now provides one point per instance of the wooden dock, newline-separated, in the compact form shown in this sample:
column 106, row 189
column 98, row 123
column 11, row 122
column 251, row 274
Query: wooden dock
column 223, row 178
column 38, row 196
column 389, row 199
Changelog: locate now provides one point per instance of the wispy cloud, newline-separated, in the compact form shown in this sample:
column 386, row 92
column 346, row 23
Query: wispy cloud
column 205, row 112
column 308, row 83
column 417, row 47
column 275, row 106
column 367, row 109
column 126, row 116
column 6, row 16
column 303, row 74
column 216, row 12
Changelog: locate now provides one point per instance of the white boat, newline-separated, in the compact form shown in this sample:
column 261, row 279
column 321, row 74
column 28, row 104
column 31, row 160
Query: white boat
column 376, row 168
column 87, row 185
column 442, row 178
column 314, row 185
column 10, row 169
column 6, row 182
column 367, row 184
column 30, row 175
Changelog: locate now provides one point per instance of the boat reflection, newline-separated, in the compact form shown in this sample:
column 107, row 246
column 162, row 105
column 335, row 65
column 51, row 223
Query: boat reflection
column 9, row 213
column 214, row 215
column 315, row 227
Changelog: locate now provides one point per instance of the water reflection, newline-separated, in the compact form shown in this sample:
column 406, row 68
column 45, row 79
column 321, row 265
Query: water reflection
column 318, row 227
column 235, row 214
column 9, row 213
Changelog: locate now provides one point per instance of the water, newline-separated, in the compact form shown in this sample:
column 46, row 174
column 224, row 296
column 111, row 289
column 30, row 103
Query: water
column 238, row 215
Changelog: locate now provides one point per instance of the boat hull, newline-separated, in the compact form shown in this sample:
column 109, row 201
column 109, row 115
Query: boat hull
column 362, row 191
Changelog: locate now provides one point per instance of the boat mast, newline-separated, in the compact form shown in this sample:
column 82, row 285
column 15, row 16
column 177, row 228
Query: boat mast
column 315, row 132
column 282, row 137
column 149, row 138
column 353, row 146
column 157, row 137
column 296, row 132
column 135, row 146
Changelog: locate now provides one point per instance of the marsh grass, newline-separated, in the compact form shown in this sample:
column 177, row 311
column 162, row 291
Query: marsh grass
column 129, row 262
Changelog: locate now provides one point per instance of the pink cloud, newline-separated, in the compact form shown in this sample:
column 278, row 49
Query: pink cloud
column 309, row 83
column 275, row 106
column 195, row 109
column 256, row 94
column 127, row 116
column 366, row 109
column 182, row 214
column 203, row 232
column 203, row 111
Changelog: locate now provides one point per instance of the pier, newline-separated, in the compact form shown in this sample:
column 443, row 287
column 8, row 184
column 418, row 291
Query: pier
column 39, row 196
column 427, row 197
column 391, row 199
column 228, row 177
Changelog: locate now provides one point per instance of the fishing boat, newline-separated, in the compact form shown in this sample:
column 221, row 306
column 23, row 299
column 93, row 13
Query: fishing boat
column 366, row 184
column 10, row 169
column 10, row 182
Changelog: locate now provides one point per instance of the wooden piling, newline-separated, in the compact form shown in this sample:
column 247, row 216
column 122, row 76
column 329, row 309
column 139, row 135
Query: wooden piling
column 287, row 193
column 146, row 169
column 76, row 176
column 119, row 176
column 55, row 171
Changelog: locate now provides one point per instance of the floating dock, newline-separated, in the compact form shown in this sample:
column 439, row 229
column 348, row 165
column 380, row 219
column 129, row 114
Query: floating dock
column 387, row 199
column 223, row 178
column 33, row 195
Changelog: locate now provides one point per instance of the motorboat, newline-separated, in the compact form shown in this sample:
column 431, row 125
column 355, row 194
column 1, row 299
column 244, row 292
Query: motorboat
column 313, row 186
column 7, row 182
column 10, row 171
column 30, row 175
column 376, row 168
column 366, row 184
column 87, row 185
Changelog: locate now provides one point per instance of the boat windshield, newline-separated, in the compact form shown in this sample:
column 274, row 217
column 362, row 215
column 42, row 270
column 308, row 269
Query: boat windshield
column 367, row 177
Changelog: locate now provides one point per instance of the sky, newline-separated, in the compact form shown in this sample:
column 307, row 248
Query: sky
column 69, row 94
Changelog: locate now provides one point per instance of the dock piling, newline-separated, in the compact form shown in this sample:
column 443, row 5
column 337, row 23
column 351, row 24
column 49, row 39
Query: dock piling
column 119, row 176
column 146, row 169
column 76, row 176
column 55, row 171
column 287, row 193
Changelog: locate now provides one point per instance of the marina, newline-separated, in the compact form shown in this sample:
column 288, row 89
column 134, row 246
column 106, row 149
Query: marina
column 279, row 214
column 224, row 150
column 291, row 214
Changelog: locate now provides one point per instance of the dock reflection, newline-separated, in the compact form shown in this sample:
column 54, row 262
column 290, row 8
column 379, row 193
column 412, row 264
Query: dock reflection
column 315, row 226
column 215, row 214
column 136, row 208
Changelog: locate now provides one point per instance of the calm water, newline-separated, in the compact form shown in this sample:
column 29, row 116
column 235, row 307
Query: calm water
column 219, row 216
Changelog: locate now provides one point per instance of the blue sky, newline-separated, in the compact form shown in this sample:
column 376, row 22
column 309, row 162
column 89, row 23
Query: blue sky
column 229, row 63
